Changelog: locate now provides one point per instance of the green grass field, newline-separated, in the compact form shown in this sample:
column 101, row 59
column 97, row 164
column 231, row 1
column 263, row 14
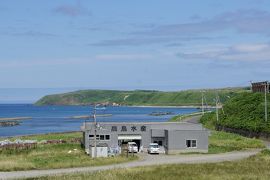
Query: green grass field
column 50, row 136
column 255, row 167
column 50, row 156
column 53, row 156
column 221, row 142
column 57, row 155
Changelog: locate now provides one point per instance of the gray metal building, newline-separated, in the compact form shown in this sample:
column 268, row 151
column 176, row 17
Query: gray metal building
column 175, row 137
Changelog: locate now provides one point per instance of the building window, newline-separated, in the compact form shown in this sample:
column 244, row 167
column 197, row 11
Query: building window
column 91, row 136
column 191, row 143
column 101, row 137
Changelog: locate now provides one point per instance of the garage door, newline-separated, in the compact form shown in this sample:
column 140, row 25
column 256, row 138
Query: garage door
column 129, row 137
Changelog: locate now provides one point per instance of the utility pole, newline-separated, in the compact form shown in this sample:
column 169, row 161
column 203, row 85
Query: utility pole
column 217, row 107
column 95, row 132
column 265, row 100
column 202, row 103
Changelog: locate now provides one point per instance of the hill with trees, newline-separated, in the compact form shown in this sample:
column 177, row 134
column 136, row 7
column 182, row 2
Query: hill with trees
column 139, row 97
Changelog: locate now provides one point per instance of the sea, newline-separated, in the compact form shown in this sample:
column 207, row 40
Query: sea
column 49, row 119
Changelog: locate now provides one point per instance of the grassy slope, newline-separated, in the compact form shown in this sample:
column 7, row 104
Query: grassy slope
column 224, row 142
column 158, row 98
column 50, row 156
column 53, row 156
column 244, row 111
column 256, row 167
column 221, row 142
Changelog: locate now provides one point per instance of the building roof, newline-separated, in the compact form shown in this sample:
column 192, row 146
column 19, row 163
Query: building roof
column 153, row 125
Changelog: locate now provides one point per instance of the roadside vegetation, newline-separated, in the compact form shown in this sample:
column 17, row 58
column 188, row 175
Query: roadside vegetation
column 245, row 112
column 221, row 142
column 255, row 167
column 139, row 97
column 50, row 156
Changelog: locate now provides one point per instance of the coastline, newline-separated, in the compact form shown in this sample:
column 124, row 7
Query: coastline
column 183, row 107
column 14, row 118
column 27, row 135
column 142, row 106
column 9, row 135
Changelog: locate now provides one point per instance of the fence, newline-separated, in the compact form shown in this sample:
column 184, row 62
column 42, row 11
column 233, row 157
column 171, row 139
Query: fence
column 17, row 145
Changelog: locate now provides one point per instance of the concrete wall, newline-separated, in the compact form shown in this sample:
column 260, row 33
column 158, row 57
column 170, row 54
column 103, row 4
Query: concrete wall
column 177, row 141
column 158, row 133
column 100, row 152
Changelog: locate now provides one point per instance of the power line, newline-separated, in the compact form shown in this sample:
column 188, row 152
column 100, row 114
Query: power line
column 218, row 105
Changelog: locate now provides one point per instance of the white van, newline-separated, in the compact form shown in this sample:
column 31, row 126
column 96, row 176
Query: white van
column 132, row 147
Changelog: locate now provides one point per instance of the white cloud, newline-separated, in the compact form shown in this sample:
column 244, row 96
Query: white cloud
column 71, row 61
column 238, row 52
column 248, row 48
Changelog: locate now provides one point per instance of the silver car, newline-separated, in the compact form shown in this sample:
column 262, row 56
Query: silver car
column 153, row 148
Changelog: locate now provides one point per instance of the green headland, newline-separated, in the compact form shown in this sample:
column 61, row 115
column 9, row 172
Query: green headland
column 139, row 97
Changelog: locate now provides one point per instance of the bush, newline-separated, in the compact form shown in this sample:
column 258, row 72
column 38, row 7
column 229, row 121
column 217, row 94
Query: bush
column 244, row 111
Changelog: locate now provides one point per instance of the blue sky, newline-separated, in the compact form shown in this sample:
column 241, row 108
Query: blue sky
column 120, row 44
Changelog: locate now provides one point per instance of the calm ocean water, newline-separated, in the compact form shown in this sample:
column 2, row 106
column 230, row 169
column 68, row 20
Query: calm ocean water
column 46, row 119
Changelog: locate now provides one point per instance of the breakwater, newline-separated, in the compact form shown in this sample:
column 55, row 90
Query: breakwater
column 9, row 123
column 14, row 118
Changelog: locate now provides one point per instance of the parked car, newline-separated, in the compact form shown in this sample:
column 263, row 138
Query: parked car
column 132, row 147
column 153, row 148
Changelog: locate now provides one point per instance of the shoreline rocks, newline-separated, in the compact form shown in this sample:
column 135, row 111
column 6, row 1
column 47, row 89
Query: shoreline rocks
column 9, row 123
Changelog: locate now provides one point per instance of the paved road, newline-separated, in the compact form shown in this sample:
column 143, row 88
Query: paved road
column 193, row 119
column 146, row 160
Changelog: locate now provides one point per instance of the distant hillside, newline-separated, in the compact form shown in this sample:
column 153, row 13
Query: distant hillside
column 244, row 111
column 138, row 97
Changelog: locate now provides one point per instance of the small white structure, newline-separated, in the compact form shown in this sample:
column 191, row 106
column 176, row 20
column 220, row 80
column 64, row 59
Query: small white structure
column 101, row 152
